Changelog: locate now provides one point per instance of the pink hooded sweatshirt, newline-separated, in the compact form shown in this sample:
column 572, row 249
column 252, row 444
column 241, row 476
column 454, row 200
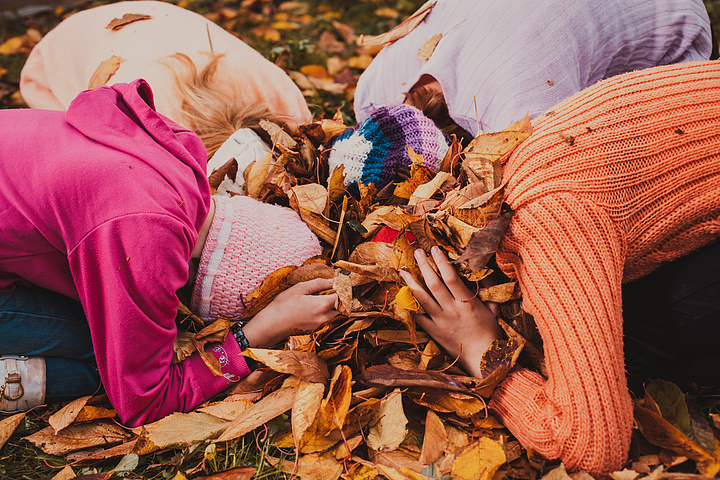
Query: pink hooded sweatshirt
column 62, row 64
column 103, row 204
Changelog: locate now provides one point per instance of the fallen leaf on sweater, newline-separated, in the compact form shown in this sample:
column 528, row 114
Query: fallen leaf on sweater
column 427, row 48
column 405, row 27
column 104, row 72
column 128, row 18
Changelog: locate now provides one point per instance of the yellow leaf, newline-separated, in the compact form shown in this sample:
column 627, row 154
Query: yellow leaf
column 11, row 46
column 317, row 71
column 427, row 48
column 405, row 27
column 426, row 190
column 390, row 426
column 311, row 197
column 8, row 426
column 66, row 415
column 479, row 460
column 180, row 429
column 258, row 170
column 405, row 299
column 267, row 408
column 305, row 407
column 65, row 474
column 104, row 71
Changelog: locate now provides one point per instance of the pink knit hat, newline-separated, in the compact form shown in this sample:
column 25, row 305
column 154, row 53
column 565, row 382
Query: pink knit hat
column 247, row 241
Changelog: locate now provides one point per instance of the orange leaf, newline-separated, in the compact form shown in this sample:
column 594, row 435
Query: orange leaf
column 8, row 426
column 77, row 437
column 66, row 415
column 303, row 365
column 104, row 71
column 267, row 408
column 435, row 440
column 405, row 27
column 479, row 460
column 427, row 48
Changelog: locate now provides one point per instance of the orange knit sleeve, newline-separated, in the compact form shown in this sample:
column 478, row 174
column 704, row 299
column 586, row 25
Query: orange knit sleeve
column 568, row 257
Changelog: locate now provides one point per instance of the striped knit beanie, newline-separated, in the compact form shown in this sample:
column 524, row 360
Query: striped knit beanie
column 377, row 148
column 246, row 242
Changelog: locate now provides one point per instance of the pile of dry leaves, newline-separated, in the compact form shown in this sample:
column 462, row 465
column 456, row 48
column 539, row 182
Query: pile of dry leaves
column 369, row 394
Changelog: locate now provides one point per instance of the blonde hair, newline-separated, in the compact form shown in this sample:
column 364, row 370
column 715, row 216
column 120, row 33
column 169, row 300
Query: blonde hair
column 213, row 109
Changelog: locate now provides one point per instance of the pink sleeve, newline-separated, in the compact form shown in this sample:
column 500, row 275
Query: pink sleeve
column 127, row 287
column 568, row 259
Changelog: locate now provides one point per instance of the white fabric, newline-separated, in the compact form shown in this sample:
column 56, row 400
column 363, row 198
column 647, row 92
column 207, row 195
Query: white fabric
column 22, row 382
column 516, row 56
column 352, row 153
column 245, row 146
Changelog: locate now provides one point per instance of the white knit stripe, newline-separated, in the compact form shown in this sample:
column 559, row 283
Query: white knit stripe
column 351, row 152
column 214, row 262
column 550, row 49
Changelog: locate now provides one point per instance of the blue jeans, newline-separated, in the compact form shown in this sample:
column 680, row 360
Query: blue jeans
column 38, row 322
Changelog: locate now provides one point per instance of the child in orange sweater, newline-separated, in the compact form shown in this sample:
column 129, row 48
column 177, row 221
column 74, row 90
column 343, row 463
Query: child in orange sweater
column 636, row 188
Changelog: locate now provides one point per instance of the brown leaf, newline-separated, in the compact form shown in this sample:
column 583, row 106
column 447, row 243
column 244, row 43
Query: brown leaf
column 65, row 474
column 226, row 410
column 332, row 413
column 8, row 426
column 77, row 437
column 180, row 429
column 229, row 170
column 484, row 243
column 118, row 23
column 266, row 292
column 308, row 400
column 303, row 365
column 390, row 424
column 388, row 376
column 239, row 473
column 255, row 175
column 343, row 288
column 89, row 457
column 660, row 432
column 465, row 406
column 310, row 271
column 312, row 197
column 419, row 177
column 479, row 460
column 405, row 27
column 104, row 72
column 318, row 226
column 267, row 408
column 427, row 48
column 315, row 467
column 435, row 439
column 90, row 413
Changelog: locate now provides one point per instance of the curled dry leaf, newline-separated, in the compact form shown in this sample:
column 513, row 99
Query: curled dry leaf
column 104, row 72
column 312, row 197
column 390, row 424
column 405, row 27
column 66, row 415
column 426, row 50
column 128, row 18
column 78, row 436
column 8, row 426
column 388, row 376
column 304, row 365
column 435, row 440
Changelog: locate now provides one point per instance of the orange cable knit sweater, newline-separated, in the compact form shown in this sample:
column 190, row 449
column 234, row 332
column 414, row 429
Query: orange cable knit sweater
column 613, row 182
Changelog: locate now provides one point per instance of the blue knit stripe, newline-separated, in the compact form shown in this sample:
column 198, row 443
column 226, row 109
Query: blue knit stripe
column 374, row 163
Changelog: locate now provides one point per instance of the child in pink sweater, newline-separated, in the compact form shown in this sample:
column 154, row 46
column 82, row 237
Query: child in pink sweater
column 104, row 209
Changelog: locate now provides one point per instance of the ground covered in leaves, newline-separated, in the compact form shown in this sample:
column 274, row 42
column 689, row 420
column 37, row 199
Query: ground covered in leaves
column 368, row 394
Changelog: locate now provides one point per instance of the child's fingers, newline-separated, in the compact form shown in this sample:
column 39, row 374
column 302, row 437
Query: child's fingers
column 424, row 299
column 449, row 275
column 435, row 284
column 309, row 287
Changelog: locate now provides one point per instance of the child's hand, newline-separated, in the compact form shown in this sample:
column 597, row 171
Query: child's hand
column 294, row 309
column 456, row 318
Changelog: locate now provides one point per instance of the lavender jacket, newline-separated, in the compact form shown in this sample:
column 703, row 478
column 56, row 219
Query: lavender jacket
column 103, row 204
